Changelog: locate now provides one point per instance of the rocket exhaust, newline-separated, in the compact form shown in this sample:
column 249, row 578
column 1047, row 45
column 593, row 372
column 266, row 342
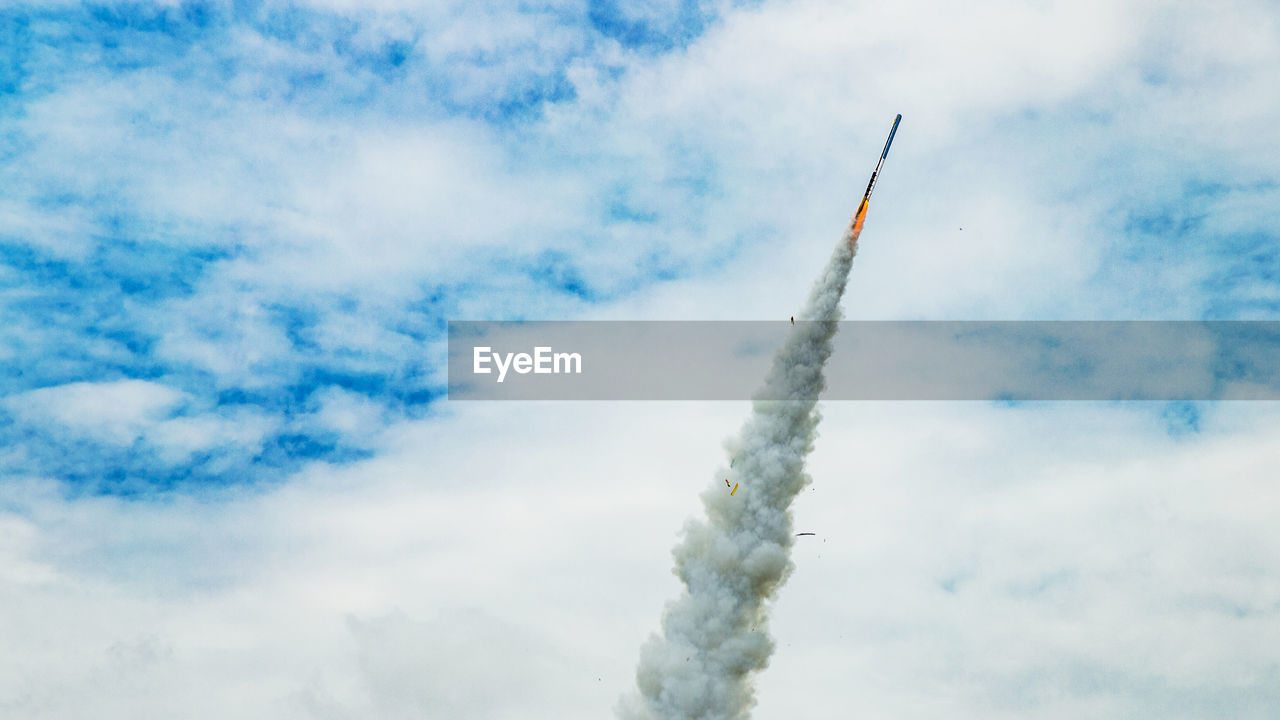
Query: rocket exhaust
column 714, row 637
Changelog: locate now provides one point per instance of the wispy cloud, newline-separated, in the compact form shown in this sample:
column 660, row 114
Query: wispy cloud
column 231, row 233
column 258, row 203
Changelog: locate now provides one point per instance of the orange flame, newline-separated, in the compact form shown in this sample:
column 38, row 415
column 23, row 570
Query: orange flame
column 856, row 226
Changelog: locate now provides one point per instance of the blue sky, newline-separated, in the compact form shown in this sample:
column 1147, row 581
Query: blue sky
column 123, row 119
column 164, row 167
column 232, row 233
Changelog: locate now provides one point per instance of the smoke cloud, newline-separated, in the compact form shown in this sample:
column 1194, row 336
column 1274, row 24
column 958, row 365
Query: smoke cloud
column 714, row 637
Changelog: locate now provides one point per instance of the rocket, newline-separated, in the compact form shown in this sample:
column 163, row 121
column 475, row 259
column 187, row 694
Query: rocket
column 861, row 215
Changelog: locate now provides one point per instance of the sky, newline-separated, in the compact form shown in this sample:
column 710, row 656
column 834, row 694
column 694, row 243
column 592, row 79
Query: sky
column 232, row 235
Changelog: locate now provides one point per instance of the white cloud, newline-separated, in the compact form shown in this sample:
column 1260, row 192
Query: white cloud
column 1049, row 562
column 117, row 412
column 126, row 411
column 1094, row 563
column 351, row 414
column 177, row 438
column 410, row 203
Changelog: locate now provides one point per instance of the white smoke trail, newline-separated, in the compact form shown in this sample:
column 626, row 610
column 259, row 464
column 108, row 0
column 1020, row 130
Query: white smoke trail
column 714, row 637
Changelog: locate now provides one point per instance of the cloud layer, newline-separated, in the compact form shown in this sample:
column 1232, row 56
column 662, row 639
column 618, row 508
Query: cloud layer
column 231, row 234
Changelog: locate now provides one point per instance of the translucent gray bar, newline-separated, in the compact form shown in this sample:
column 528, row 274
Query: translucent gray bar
column 899, row 360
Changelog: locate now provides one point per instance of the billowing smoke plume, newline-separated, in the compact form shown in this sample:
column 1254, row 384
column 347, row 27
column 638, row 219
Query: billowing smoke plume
column 714, row 637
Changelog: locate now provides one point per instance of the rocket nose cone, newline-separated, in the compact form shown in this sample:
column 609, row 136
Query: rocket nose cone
column 892, row 131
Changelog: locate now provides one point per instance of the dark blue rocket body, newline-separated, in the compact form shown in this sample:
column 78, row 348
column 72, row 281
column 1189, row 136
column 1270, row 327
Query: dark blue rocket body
column 889, row 142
